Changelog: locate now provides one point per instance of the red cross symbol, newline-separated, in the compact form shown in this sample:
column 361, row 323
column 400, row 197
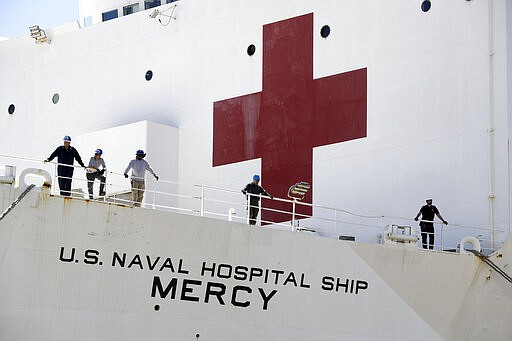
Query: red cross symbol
column 293, row 114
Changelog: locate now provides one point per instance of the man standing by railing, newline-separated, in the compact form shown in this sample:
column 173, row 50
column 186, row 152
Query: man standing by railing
column 139, row 167
column 65, row 156
column 94, row 172
column 254, row 191
column 427, row 223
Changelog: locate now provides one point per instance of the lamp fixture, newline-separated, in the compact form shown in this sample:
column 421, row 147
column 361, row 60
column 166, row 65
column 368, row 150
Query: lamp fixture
column 38, row 34
column 154, row 14
column 299, row 190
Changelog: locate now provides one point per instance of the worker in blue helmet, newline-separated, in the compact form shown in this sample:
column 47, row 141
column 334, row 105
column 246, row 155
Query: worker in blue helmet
column 66, row 155
column 253, row 191
column 96, row 170
column 139, row 166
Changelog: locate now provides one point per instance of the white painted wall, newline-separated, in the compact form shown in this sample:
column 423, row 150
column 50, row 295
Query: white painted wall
column 95, row 8
column 428, row 96
column 119, row 144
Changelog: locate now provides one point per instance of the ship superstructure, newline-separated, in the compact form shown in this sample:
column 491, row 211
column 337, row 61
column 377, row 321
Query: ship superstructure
column 375, row 105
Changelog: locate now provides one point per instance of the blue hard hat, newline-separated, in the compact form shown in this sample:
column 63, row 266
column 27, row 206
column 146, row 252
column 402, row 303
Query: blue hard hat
column 256, row 177
column 98, row 151
column 66, row 138
column 140, row 152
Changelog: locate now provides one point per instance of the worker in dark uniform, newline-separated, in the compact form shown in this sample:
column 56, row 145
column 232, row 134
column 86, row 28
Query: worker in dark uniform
column 255, row 190
column 427, row 213
column 65, row 156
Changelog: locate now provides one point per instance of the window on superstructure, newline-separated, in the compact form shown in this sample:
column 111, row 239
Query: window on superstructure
column 130, row 9
column 109, row 15
column 169, row 1
column 151, row 3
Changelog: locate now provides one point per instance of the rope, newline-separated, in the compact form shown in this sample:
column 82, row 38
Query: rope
column 491, row 264
column 11, row 206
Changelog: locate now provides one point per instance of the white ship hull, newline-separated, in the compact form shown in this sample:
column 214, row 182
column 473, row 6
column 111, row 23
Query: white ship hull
column 73, row 269
column 394, row 105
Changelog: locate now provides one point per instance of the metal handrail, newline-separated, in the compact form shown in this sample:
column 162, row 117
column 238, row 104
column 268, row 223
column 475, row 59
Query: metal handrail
column 333, row 217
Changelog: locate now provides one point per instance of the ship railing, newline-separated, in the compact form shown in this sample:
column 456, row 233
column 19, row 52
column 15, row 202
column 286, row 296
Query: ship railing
column 117, row 191
column 221, row 203
column 332, row 222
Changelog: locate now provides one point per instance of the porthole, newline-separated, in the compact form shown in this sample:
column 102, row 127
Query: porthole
column 55, row 98
column 425, row 6
column 156, row 307
column 11, row 109
column 149, row 75
column 325, row 31
column 251, row 49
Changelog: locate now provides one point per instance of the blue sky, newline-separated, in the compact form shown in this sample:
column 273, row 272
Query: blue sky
column 17, row 15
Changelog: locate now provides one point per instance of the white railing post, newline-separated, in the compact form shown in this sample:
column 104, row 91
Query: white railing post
column 231, row 211
column 56, row 181
column 442, row 236
column 154, row 194
column 336, row 222
column 259, row 208
column 293, row 215
column 248, row 208
column 202, row 200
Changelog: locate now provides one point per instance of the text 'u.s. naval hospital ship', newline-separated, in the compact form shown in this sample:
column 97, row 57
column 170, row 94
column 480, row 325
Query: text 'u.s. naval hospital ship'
column 352, row 112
